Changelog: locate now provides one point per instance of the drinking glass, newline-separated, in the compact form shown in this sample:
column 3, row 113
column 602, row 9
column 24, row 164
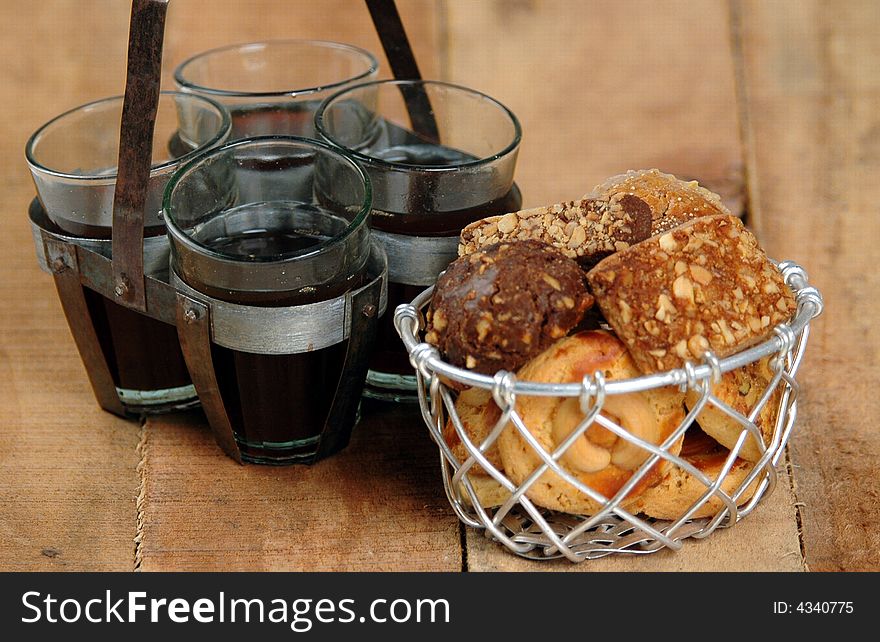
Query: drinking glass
column 439, row 157
column 274, row 87
column 73, row 160
column 272, row 232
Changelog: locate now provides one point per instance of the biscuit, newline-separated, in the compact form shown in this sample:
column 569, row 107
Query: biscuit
column 478, row 413
column 705, row 285
column 489, row 492
column 598, row 458
column 586, row 230
column 495, row 309
column 672, row 201
column 740, row 389
column 679, row 490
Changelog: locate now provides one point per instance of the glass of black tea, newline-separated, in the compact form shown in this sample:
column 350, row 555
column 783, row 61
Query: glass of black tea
column 273, row 233
column 73, row 161
column 439, row 156
column 274, row 87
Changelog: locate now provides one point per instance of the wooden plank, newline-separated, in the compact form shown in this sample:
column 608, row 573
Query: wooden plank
column 601, row 87
column 197, row 25
column 813, row 109
column 625, row 92
column 67, row 469
column 604, row 86
column 378, row 505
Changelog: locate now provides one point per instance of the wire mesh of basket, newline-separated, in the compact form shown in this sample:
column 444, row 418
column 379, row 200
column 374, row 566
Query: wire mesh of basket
column 532, row 531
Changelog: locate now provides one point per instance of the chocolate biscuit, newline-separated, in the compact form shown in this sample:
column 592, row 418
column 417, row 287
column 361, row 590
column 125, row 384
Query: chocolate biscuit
column 586, row 230
column 497, row 308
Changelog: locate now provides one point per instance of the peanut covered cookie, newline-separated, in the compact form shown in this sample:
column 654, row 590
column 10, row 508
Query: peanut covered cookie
column 671, row 201
column 598, row 458
column 705, row 285
column 586, row 230
column 495, row 309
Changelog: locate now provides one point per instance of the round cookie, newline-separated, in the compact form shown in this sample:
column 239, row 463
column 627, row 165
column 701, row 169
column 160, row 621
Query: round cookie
column 679, row 490
column 489, row 492
column 495, row 309
column 598, row 458
column 478, row 413
column 740, row 389
column 672, row 201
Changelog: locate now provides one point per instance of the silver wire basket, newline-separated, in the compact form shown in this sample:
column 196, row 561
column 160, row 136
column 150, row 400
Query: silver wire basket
column 538, row 533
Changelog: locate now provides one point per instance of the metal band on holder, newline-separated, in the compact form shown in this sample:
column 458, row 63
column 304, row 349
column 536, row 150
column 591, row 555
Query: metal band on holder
column 403, row 63
column 65, row 269
column 286, row 330
column 417, row 260
column 156, row 248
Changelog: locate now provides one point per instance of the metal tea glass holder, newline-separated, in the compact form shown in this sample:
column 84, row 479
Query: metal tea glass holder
column 202, row 320
column 120, row 268
column 537, row 533
column 117, row 268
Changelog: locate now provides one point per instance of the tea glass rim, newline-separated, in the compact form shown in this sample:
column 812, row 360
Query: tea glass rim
column 155, row 170
column 183, row 83
column 359, row 219
column 394, row 165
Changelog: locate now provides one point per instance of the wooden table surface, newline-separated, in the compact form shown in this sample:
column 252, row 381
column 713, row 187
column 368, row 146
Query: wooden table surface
column 774, row 104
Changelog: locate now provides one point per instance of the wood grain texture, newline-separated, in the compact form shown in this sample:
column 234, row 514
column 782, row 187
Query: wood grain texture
column 67, row 469
column 813, row 109
column 197, row 25
column 604, row 86
column 379, row 505
column 599, row 86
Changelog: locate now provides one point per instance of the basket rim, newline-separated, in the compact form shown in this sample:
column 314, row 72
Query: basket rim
column 425, row 357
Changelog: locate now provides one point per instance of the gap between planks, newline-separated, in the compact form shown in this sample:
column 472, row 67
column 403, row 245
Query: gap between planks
column 140, row 516
column 750, row 196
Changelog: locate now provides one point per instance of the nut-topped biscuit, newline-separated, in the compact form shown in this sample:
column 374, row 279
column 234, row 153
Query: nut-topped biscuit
column 672, row 201
column 496, row 309
column 586, row 230
column 705, row 285
column 598, row 458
